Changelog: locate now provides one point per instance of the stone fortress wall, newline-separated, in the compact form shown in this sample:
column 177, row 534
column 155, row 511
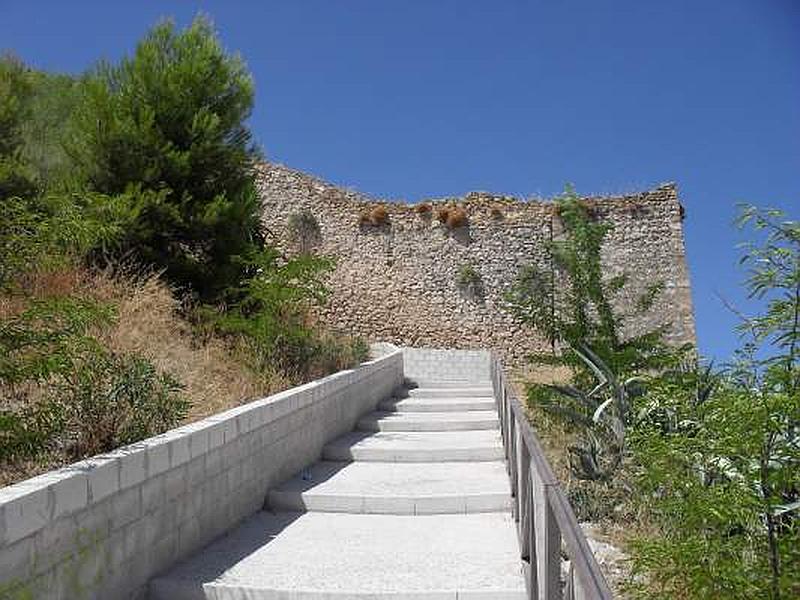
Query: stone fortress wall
column 398, row 282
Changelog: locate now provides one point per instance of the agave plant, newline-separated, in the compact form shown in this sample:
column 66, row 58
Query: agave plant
column 601, row 414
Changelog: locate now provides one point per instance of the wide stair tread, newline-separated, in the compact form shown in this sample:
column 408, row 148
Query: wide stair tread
column 443, row 404
column 429, row 421
column 415, row 446
column 396, row 488
column 451, row 392
column 318, row 555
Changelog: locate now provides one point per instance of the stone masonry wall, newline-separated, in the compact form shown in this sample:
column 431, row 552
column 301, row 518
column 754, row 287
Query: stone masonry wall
column 398, row 282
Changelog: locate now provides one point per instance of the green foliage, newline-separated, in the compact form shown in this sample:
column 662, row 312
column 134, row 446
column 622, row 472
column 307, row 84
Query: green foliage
column 467, row 275
column 42, row 230
column 121, row 400
column 715, row 484
column 16, row 177
column 49, row 339
column 166, row 127
column 469, row 281
column 773, row 276
column 719, row 455
column 269, row 310
column 571, row 304
column 45, row 232
column 62, row 391
column 52, row 100
column 304, row 230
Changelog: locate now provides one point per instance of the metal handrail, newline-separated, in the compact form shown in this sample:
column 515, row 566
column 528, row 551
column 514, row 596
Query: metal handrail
column 543, row 514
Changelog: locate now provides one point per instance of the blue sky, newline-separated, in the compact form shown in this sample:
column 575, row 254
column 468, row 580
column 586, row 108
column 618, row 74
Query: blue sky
column 418, row 98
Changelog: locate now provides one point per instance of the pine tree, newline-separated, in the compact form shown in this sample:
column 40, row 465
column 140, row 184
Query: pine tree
column 167, row 127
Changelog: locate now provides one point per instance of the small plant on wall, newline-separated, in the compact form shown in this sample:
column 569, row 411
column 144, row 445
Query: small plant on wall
column 453, row 217
column 304, row 230
column 423, row 210
column 375, row 217
column 470, row 284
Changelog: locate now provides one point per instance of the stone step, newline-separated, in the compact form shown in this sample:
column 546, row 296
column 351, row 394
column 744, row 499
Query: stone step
column 415, row 446
column 429, row 421
column 446, row 383
column 316, row 555
column 396, row 488
column 472, row 391
column 437, row 405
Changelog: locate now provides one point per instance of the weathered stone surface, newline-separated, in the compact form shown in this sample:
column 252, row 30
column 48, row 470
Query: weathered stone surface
column 399, row 282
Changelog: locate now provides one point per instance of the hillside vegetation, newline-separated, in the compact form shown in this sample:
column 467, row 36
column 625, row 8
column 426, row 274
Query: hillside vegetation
column 698, row 465
column 136, row 288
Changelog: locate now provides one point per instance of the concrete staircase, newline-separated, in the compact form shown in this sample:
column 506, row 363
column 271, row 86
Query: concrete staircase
column 415, row 504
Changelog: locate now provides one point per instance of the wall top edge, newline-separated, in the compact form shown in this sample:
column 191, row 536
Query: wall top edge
column 667, row 191
column 269, row 407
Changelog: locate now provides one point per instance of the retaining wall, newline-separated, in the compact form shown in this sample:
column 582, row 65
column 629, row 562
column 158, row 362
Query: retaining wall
column 103, row 527
column 442, row 366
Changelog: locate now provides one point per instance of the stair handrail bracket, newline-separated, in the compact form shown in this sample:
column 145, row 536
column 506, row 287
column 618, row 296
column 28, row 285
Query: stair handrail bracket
column 541, row 510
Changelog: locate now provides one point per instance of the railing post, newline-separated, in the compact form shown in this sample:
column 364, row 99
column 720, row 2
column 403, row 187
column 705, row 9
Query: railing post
column 548, row 543
column 523, row 460
column 513, row 461
column 528, row 538
column 542, row 512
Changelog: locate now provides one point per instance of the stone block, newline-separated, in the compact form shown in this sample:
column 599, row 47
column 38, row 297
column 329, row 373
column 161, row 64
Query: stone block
column 175, row 484
column 198, row 441
column 153, row 495
column 216, row 435
column 178, row 450
column 16, row 562
column 103, row 477
column 157, row 455
column 70, row 492
column 28, row 506
column 55, row 542
column 95, row 522
column 132, row 465
column 195, row 472
column 126, row 507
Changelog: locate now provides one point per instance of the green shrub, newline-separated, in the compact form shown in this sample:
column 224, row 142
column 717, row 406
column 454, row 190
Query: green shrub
column 571, row 304
column 716, row 484
column 304, row 230
column 61, row 391
column 16, row 176
column 470, row 283
column 270, row 310
column 719, row 459
column 119, row 400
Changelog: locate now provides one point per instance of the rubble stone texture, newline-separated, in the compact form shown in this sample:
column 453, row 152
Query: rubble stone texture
column 398, row 282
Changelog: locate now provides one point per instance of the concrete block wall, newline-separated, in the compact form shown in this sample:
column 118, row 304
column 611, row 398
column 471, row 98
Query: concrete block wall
column 443, row 366
column 101, row 528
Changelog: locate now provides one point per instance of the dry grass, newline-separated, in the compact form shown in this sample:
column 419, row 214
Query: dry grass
column 423, row 210
column 378, row 216
column 148, row 323
column 456, row 218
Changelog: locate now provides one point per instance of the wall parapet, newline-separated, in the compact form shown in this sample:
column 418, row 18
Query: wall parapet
column 399, row 280
column 102, row 527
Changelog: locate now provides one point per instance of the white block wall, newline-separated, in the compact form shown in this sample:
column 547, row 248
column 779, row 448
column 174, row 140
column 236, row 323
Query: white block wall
column 432, row 365
column 102, row 527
